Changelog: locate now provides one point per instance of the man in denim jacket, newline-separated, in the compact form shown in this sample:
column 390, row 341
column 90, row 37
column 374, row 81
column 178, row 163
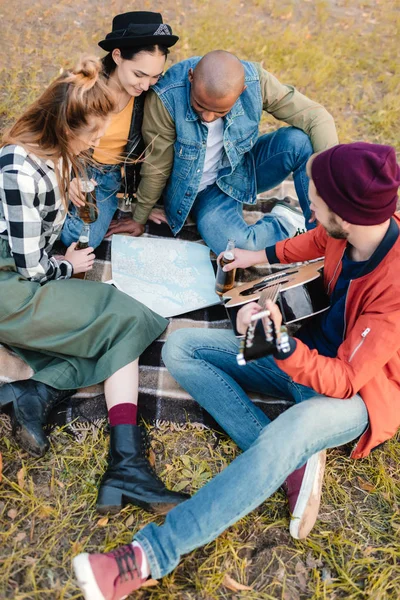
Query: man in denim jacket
column 204, row 153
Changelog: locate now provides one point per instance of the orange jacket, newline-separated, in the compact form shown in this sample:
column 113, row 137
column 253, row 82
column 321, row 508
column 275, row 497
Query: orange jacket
column 368, row 360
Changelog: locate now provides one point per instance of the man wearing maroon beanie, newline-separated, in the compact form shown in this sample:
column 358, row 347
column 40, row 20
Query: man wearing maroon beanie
column 358, row 181
column 341, row 370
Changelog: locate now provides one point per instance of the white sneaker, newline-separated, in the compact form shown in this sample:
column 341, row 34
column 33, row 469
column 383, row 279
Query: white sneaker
column 291, row 218
column 303, row 490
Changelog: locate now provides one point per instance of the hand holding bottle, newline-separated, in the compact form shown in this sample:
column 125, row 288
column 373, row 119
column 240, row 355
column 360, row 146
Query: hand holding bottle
column 244, row 259
column 76, row 195
column 225, row 280
column 81, row 260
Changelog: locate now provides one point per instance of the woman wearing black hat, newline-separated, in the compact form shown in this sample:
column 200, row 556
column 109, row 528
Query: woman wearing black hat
column 137, row 49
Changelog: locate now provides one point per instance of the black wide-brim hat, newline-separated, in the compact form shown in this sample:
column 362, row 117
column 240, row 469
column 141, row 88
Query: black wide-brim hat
column 139, row 28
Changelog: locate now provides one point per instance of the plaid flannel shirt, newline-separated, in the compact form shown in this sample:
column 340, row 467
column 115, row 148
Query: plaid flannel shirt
column 31, row 214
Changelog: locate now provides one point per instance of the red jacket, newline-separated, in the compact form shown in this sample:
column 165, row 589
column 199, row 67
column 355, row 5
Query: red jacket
column 368, row 360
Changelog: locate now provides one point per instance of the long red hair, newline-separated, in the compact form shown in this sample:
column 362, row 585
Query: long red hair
column 64, row 109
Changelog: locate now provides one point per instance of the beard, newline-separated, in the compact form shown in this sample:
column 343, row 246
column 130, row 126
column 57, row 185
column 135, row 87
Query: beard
column 335, row 231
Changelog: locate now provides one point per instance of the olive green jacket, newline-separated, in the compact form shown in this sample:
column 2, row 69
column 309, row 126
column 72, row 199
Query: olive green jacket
column 282, row 101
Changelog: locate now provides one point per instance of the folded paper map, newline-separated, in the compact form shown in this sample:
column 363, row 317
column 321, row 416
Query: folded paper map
column 170, row 276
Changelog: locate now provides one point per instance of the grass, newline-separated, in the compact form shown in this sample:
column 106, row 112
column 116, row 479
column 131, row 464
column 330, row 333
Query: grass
column 345, row 55
column 339, row 52
column 47, row 517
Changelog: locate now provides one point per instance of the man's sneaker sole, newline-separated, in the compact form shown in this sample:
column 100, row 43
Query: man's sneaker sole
column 291, row 218
column 85, row 578
column 307, row 506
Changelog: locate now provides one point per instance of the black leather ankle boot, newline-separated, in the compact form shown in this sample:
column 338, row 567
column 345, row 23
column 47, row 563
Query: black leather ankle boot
column 31, row 402
column 129, row 478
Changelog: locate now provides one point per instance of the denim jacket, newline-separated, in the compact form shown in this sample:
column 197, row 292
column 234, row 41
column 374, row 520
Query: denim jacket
column 236, row 176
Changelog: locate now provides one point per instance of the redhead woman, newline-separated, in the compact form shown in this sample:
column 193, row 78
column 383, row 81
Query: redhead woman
column 137, row 50
column 73, row 333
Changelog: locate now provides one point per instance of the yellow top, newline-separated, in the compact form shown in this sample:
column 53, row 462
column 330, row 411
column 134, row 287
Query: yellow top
column 112, row 144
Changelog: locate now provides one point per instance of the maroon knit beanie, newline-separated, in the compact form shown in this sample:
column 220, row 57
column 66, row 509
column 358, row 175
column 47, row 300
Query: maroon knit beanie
column 358, row 182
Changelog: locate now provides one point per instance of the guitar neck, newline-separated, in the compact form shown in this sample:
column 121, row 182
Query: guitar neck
column 254, row 345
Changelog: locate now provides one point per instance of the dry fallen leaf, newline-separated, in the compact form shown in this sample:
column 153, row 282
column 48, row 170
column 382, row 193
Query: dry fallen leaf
column 280, row 574
column 12, row 513
column 102, row 522
column 302, row 575
column 233, row 585
column 313, row 563
column 76, row 548
column 21, row 478
column 45, row 512
column 152, row 458
column 150, row 582
column 129, row 521
column 364, row 485
column 20, row 536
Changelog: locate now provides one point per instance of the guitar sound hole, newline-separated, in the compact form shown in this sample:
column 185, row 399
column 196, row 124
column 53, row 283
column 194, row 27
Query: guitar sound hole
column 259, row 287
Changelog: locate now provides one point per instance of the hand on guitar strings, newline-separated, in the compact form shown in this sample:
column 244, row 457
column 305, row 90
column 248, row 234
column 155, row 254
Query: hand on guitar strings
column 245, row 259
column 245, row 314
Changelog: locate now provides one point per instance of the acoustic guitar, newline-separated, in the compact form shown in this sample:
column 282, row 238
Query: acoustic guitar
column 298, row 288
column 300, row 293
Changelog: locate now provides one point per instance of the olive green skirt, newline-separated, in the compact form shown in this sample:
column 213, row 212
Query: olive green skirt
column 73, row 333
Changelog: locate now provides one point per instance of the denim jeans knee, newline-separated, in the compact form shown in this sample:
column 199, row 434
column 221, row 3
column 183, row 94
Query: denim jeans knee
column 299, row 141
column 176, row 348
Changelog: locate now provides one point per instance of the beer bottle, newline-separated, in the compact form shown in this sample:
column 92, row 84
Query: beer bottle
column 225, row 280
column 83, row 243
column 88, row 212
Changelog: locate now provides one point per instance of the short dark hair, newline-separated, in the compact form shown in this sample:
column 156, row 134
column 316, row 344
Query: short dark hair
column 109, row 64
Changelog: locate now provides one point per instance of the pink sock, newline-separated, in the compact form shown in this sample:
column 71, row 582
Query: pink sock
column 122, row 414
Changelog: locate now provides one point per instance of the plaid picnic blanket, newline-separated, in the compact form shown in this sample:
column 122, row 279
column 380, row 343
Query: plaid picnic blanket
column 161, row 399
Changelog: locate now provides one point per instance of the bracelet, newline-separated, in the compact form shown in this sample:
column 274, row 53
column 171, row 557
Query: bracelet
column 283, row 344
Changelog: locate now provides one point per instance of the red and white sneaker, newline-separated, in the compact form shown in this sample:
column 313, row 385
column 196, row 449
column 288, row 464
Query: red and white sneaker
column 303, row 489
column 111, row 576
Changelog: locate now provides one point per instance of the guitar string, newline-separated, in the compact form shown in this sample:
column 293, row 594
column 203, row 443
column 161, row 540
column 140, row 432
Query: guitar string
column 269, row 294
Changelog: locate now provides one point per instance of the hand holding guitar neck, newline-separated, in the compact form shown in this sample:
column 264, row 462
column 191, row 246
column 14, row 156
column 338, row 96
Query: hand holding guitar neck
column 261, row 341
column 245, row 316
column 280, row 334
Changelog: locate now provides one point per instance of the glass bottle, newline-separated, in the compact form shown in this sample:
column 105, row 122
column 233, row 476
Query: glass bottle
column 83, row 243
column 225, row 280
column 88, row 212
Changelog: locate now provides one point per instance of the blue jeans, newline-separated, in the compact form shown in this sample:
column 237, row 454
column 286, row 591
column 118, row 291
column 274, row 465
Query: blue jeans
column 204, row 363
column 108, row 179
column 219, row 217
